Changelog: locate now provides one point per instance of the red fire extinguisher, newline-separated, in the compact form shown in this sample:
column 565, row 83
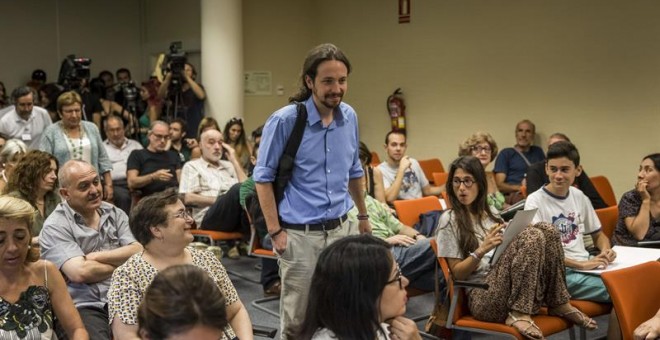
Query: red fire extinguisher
column 397, row 111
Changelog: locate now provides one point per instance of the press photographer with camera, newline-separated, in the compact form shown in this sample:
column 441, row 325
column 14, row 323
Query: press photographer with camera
column 184, row 95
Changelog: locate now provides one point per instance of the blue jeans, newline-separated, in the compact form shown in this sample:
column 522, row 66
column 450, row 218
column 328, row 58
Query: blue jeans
column 417, row 263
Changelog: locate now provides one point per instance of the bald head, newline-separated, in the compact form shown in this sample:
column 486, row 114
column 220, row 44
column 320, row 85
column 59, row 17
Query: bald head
column 72, row 168
column 211, row 145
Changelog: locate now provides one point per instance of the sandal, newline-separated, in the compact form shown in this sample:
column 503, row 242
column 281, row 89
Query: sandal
column 575, row 316
column 532, row 331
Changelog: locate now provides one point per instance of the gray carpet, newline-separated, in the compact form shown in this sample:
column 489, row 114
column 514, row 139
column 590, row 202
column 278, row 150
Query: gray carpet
column 249, row 289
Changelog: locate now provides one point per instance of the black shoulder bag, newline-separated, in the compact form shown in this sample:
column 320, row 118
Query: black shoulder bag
column 285, row 166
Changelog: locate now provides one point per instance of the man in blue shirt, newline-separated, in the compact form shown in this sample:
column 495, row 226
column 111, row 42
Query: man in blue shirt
column 511, row 164
column 327, row 167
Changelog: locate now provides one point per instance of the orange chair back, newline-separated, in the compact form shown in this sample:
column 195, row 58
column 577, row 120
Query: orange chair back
column 440, row 178
column 375, row 160
column 408, row 211
column 429, row 166
column 635, row 294
column 608, row 217
column 604, row 188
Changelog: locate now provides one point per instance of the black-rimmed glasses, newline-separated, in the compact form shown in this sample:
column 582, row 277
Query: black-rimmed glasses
column 456, row 182
column 398, row 277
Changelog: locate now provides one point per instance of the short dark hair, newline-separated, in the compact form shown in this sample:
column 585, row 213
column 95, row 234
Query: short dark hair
column 181, row 122
column 106, row 73
column 559, row 135
column 387, row 136
column 123, row 70
column 655, row 158
column 150, row 212
column 19, row 92
column 315, row 57
column 352, row 271
column 564, row 149
column 179, row 298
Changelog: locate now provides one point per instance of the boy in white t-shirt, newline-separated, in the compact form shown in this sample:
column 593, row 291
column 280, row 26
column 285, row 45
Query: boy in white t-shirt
column 570, row 211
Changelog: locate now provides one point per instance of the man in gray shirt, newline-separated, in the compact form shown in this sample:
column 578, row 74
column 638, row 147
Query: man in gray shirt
column 86, row 239
column 25, row 121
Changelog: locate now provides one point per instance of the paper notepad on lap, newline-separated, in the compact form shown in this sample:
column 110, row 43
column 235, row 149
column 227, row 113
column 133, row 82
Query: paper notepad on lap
column 520, row 221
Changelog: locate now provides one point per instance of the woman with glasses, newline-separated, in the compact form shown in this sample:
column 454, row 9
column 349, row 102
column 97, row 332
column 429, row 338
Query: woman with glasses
column 162, row 225
column 357, row 292
column 483, row 146
column 234, row 134
column 72, row 138
column 529, row 274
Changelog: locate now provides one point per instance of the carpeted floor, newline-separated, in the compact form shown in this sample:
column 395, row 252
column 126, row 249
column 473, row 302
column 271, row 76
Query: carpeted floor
column 244, row 273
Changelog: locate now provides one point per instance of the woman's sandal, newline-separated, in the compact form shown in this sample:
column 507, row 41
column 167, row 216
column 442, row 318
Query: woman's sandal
column 577, row 318
column 532, row 332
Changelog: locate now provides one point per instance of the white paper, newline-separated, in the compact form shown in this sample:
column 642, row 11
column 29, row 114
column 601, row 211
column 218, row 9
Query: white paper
column 518, row 223
column 627, row 257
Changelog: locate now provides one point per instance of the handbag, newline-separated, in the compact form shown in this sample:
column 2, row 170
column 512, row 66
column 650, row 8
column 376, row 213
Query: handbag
column 437, row 323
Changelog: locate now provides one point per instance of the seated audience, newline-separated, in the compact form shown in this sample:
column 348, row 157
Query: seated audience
column 182, row 302
column 402, row 175
column 207, row 123
column 33, row 291
column 73, row 138
column 177, row 142
column 155, row 168
column 119, row 148
column 639, row 209
column 26, row 121
column 86, row 239
column 162, row 225
column 234, row 134
column 205, row 179
column 10, row 154
column 357, row 271
column 572, row 215
column 648, row 330
column 536, row 176
column 528, row 275
column 373, row 175
column 35, row 181
column 511, row 165
column 483, row 146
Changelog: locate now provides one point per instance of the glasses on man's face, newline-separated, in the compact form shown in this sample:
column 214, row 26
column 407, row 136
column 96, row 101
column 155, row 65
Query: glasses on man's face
column 185, row 214
column 397, row 277
column 161, row 137
column 456, row 182
column 481, row 149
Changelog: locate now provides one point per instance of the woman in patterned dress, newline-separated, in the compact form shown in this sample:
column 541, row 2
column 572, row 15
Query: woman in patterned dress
column 30, row 289
column 529, row 274
column 162, row 225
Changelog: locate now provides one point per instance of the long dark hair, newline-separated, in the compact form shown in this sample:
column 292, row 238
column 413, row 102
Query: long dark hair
column 655, row 158
column 315, row 57
column 467, row 228
column 348, row 280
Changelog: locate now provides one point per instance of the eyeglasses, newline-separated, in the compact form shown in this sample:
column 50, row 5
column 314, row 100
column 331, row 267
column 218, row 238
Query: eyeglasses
column 479, row 149
column 398, row 277
column 164, row 137
column 185, row 214
column 456, row 182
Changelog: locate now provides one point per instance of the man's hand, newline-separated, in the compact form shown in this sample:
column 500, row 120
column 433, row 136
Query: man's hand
column 365, row 227
column 163, row 175
column 279, row 242
column 404, row 163
column 229, row 151
column 608, row 254
column 597, row 262
column 401, row 240
column 649, row 329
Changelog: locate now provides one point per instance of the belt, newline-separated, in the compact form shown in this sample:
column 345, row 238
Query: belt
column 323, row 226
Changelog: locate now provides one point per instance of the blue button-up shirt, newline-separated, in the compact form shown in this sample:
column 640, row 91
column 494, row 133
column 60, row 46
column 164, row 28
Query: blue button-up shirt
column 328, row 157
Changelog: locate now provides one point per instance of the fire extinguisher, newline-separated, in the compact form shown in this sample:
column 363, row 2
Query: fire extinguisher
column 397, row 111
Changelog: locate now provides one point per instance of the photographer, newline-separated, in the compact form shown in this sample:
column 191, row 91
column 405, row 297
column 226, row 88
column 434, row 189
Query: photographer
column 185, row 96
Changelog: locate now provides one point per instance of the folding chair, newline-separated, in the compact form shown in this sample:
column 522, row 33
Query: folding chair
column 258, row 251
column 408, row 211
column 460, row 318
column 635, row 294
column 608, row 217
column 429, row 166
column 440, row 178
column 604, row 188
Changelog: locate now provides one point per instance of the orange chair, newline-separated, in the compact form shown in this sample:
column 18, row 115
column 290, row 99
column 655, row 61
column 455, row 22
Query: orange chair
column 257, row 250
column 604, row 188
column 375, row 160
column 408, row 211
column 635, row 294
column 214, row 238
column 523, row 191
column 440, row 178
column 608, row 217
column 429, row 166
column 460, row 318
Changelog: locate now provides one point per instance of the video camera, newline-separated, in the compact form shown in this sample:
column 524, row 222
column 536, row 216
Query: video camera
column 175, row 63
column 72, row 71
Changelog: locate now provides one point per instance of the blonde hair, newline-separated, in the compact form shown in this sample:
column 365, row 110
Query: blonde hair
column 16, row 209
column 476, row 138
column 68, row 98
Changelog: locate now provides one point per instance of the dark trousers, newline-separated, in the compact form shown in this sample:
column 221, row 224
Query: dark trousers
column 95, row 321
column 121, row 195
column 226, row 214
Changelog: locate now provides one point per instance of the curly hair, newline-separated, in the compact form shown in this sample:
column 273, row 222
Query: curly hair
column 30, row 169
column 465, row 149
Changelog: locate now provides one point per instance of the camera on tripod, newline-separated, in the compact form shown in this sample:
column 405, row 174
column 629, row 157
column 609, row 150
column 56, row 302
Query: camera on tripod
column 175, row 62
column 72, row 71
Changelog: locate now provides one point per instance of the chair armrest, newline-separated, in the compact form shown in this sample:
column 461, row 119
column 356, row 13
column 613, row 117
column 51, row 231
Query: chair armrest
column 649, row 244
column 468, row 284
column 267, row 332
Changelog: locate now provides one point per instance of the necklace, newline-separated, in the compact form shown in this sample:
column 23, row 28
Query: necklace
column 76, row 150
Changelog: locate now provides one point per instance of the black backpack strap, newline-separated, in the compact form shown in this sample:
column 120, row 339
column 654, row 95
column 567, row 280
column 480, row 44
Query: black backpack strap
column 285, row 166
